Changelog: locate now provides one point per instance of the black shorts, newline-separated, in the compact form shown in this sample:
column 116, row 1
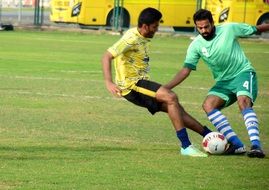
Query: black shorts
column 143, row 94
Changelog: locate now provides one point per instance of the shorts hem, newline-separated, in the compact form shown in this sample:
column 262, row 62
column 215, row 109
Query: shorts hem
column 220, row 95
column 244, row 93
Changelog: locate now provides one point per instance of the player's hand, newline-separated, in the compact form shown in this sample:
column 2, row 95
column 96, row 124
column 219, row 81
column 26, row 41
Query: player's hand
column 113, row 89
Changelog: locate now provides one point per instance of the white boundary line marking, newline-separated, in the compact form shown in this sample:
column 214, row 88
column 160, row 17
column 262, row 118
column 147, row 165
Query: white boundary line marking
column 20, row 92
column 24, row 92
column 48, row 78
column 86, row 80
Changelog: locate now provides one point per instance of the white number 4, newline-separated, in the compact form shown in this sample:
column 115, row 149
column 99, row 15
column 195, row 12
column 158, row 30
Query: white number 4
column 246, row 84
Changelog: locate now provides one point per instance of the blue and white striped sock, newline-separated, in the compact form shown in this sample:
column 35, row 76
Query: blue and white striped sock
column 223, row 126
column 252, row 125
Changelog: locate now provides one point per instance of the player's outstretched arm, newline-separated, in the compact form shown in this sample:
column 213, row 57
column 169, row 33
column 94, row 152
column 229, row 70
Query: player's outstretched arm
column 178, row 78
column 106, row 65
column 262, row 27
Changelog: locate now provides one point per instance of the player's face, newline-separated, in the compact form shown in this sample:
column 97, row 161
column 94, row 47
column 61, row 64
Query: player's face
column 204, row 27
column 151, row 29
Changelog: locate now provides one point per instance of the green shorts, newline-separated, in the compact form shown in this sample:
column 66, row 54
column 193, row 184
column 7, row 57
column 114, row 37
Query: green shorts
column 243, row 84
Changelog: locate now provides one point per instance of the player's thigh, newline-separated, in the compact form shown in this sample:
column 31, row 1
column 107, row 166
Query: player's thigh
column 213, row 102
column 166, row 96
column 225, row 92
column 246, row 85
column 144, row 95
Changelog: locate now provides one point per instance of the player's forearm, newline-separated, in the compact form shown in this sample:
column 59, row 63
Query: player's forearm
column 107, row 72
column 179, row 78
column 106, row 66
column 174, row 82
column 263, row 28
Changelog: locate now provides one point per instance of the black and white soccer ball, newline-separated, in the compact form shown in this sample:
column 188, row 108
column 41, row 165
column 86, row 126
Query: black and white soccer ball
column 215, row 143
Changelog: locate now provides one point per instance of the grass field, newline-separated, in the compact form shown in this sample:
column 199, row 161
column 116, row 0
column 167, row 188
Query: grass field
column 61, row 129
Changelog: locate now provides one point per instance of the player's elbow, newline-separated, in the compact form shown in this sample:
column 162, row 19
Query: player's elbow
column 185, row 72
column 262, row 28
column 107, row 57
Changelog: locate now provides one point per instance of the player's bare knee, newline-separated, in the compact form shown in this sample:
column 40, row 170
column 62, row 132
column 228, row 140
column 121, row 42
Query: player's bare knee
column 207, row 107
column 172, row 98
column 244, row 102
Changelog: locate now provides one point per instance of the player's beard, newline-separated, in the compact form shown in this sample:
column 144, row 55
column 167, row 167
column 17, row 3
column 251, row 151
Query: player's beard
column 210, row 35
column 150, row 35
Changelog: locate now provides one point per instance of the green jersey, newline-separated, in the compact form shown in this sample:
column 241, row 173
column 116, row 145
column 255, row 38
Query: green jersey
column 222, row 53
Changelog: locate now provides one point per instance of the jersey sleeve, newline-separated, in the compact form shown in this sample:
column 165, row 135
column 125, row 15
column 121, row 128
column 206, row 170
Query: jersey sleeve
column 192, row 57
column 121, row 46
column 242, row 29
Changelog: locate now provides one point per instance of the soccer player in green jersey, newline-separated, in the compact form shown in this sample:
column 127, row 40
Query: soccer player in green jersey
column 235, row 77
column 130, row 55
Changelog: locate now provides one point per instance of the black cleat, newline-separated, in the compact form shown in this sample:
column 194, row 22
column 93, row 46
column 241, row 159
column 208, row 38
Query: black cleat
column 232, row 150
column 256, row 152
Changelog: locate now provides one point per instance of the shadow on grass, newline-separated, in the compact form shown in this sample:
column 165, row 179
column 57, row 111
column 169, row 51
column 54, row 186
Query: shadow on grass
column 66, row 152
column 54, row 152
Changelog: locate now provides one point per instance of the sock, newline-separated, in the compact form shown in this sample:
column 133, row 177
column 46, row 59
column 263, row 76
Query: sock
column 252, row 126
column 223, row 126
column 183, row 137
column 206, row 131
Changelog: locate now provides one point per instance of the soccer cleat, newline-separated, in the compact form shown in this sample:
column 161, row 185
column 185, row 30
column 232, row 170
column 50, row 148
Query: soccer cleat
column 234, row 150
column 192, row 151
column 255, row 152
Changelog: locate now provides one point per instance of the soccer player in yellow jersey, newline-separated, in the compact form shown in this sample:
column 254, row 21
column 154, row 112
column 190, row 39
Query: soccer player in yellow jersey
column 131, row 61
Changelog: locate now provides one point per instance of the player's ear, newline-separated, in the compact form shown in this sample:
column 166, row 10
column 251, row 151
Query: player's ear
column 145, row 27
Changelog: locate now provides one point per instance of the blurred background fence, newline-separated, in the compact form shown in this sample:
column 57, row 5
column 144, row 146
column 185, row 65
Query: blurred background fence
column 24, row 12
column 120, row 14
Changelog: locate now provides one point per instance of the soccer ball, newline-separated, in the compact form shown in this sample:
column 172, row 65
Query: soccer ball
column 214, row 143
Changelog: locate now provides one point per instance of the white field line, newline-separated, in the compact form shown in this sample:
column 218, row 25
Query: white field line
column 62, row 71
column 86, row 97
column 72, row 71
column 90, row 97
column 63, row 95
column 48, row 78
column 90, row 80
column 23, row 92
column 63, row 40
column 80, row 80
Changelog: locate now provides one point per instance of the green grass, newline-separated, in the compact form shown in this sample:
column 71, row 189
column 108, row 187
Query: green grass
column 61, row 129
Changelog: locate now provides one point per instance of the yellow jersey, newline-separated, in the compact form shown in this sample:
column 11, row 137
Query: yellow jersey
column 131, row 59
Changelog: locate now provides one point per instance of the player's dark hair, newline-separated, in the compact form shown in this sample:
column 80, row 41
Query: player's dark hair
column 149, row 16
column 202, row 14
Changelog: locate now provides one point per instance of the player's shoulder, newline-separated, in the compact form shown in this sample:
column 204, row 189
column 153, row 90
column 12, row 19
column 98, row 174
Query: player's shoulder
column 131, row 31
column 225, row 25
column 230, row 25
column 131, row 35
column 196, row 39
